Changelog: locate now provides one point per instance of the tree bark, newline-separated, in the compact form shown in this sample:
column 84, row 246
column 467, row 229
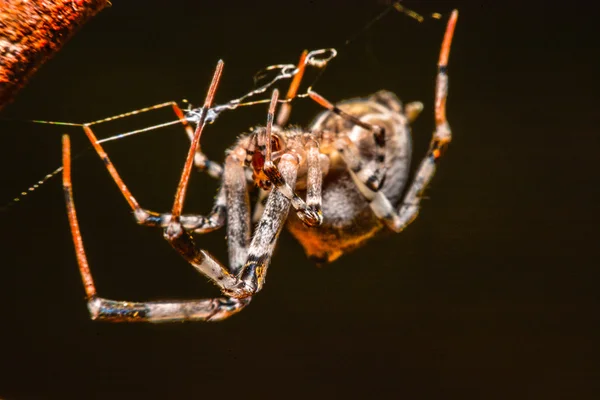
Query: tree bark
column 31, row 32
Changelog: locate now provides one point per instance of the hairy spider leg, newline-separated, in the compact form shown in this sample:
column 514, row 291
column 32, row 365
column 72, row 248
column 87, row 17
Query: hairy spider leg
column 268, row 229
column 269, row 126
column 251, row 275
column 286, row 108
column 371, row 176
column 239, row 287
column 197, row 223
column 256, row 257
column 370, row 183
column 127, row 311
column 248, row 261
column 84, row 268
column 311, row 214
column 185, row 175
column 397, row 220
column 282, row 118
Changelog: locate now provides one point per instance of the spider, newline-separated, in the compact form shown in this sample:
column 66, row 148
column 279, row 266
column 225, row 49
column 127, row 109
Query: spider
column 351, row 165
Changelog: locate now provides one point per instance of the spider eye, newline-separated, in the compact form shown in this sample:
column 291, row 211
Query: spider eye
column 275, row 144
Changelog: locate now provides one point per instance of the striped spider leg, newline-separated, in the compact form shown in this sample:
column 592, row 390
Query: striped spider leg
column 216, row 219
column 197, row 223
column 267, row 173
column 282, row 118
column 248, row 260
column 369, row 175
column 125, row 311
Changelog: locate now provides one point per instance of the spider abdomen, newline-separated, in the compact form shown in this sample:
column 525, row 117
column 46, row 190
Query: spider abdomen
column 348, row 220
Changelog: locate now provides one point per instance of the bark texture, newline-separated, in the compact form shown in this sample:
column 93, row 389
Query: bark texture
column 32, row 31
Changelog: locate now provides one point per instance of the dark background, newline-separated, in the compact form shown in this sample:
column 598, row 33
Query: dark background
column 491, row 293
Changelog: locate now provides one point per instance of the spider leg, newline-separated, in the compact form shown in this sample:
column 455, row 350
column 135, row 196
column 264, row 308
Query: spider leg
column 251, row 280
column 267, row 231
column 126, row 311
column 374, row 175
column 197, row 223
column 314, row 183
column 362, row 173
column 191, row 222
column 409, row 207
column 238, row 210
column 251, row 277
column 215, row 309
column 234, row 183
column 310, row 214
column 285, row 110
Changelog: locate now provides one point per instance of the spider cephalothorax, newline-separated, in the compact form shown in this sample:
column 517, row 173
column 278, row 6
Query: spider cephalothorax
column 344, row 176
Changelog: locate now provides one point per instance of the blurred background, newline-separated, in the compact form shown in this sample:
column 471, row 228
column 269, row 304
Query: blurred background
column 491, row 293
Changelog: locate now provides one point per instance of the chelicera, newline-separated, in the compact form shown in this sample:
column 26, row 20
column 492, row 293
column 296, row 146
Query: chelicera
column 344, row 177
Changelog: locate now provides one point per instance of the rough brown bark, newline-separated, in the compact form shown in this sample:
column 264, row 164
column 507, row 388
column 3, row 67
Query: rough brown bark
column 31, row 31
